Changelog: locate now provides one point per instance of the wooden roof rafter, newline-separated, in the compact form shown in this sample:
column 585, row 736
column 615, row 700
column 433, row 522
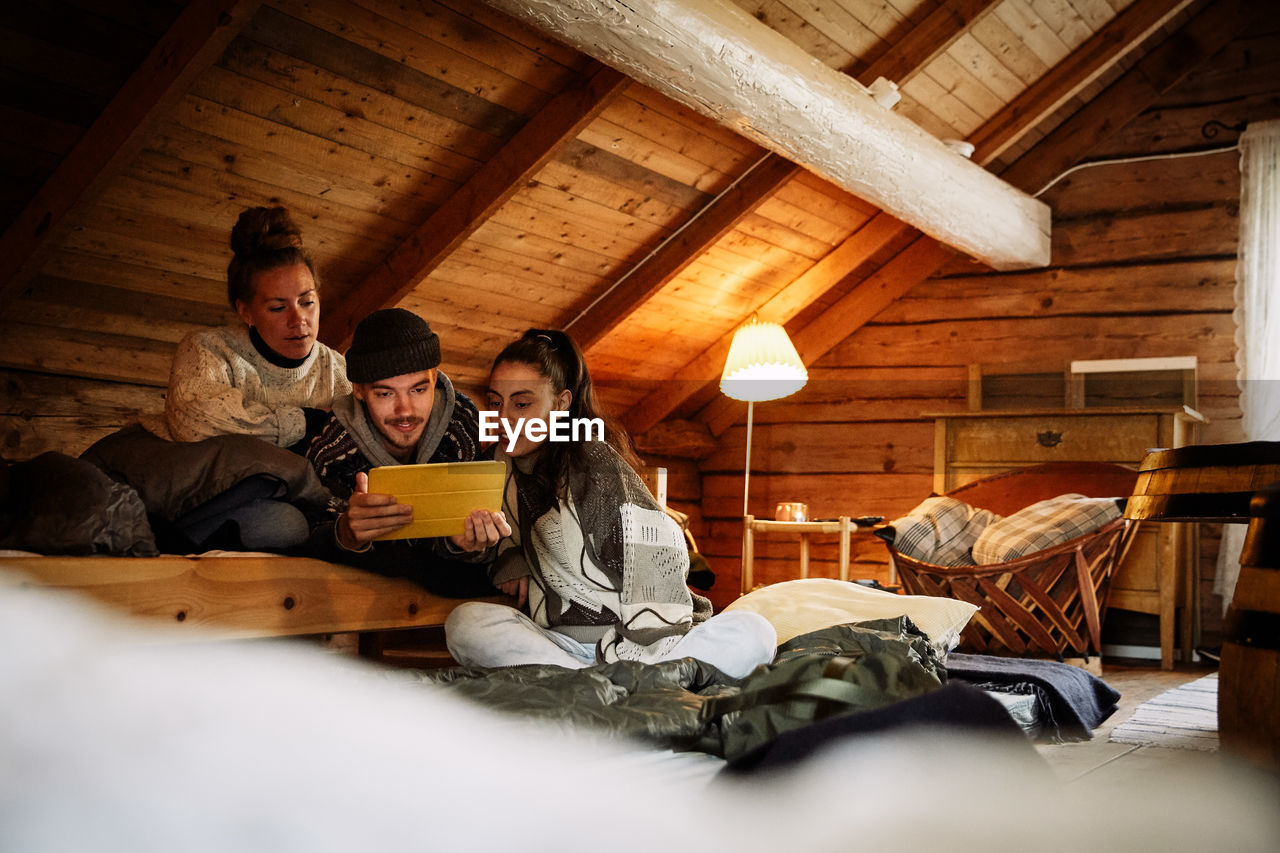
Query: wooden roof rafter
column 500, row 178
column 931, row 37
column 940, row 29
column 702, row 231
column 198, row 36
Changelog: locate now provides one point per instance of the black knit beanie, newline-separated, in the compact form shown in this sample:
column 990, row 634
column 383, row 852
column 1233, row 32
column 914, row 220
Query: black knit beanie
column 389, row 343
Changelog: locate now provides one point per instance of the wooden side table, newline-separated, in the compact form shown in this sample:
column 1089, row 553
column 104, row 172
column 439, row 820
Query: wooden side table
column 751, row 526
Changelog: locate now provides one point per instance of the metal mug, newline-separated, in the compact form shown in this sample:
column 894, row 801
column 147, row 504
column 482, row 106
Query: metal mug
column 791, row 511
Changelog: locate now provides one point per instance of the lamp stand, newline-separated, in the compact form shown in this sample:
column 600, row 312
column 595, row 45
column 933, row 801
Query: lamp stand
column 746, row 474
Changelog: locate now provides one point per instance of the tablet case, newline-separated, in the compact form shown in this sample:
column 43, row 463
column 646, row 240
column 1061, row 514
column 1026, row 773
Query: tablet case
column 442, row 494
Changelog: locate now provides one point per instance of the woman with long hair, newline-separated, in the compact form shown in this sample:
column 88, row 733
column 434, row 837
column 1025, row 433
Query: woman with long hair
column 600, row 566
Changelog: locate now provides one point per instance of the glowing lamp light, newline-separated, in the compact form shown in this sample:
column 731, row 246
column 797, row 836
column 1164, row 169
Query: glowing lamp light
column 762, row 365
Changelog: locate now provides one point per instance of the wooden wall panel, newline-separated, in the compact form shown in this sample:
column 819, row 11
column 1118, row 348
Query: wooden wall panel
column 40, row 412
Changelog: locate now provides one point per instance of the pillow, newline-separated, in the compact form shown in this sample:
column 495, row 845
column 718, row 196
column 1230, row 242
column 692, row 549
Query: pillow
column 1043, row 525
column 800, row 606
column 941, row 531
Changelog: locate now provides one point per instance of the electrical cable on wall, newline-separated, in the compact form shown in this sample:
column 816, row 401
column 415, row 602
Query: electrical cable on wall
column 1209, row 130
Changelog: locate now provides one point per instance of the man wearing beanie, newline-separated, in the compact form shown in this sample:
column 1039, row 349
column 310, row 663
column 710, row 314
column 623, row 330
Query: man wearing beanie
column 402, row 410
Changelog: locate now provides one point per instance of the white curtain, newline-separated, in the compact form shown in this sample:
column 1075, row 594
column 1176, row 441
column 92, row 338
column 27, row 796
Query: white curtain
column 1257, row 313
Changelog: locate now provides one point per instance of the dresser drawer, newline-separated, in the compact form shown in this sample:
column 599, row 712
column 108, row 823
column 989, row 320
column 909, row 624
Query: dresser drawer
column 1033, row 439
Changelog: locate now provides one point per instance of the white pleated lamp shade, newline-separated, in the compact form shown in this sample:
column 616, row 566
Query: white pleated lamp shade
column 762, row 365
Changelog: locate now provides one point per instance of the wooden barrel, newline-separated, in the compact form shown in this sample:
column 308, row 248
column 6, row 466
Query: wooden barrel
column 1249, row 674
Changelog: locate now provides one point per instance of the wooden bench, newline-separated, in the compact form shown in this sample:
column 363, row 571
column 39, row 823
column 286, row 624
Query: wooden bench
column 242, row 596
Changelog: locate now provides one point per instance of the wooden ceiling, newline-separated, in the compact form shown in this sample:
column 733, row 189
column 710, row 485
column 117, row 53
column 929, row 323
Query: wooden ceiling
column 446, row 158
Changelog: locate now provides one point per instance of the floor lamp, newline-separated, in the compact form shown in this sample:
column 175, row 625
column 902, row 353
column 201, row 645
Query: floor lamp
column 762, row 365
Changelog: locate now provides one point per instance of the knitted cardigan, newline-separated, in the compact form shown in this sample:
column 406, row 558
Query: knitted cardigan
column 606, row 565
column 219, row 384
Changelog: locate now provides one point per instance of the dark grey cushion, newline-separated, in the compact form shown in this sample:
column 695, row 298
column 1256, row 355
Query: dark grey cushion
column 57, row 504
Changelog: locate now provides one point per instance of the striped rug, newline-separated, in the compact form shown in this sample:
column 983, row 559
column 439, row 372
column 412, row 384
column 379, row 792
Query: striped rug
column 1183, row 718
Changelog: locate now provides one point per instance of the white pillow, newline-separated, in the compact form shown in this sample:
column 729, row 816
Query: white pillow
column 1042, row 525
column 941, row 531
column 800, row 606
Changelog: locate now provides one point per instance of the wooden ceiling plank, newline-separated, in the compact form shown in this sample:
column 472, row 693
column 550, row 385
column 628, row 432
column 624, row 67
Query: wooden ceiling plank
column 196, row 39
column 680, row 250
column 1138, row 88
column 926, row 40
column 821, row 277
column 1105, row 48
column 469, row 208
column 910, row 267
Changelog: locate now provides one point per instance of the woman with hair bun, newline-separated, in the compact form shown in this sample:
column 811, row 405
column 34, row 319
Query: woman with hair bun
column 601, row 566
column 269, row 378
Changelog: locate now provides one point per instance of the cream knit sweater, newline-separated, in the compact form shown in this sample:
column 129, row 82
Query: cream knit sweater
column 219, row 384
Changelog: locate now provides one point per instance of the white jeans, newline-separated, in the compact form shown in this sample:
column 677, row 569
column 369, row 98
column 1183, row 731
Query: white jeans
column 482, row 634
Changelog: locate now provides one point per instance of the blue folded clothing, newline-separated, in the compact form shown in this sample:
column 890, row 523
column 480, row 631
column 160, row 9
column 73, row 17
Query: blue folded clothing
column 1072, row 702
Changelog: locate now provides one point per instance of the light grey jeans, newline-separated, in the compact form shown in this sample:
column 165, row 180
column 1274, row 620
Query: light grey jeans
column 482, row 634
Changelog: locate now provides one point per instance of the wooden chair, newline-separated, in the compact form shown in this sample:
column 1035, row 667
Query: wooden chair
column 1051, row 602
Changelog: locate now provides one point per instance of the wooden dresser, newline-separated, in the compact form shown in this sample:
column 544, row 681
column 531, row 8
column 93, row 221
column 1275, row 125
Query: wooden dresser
column 1160, row 573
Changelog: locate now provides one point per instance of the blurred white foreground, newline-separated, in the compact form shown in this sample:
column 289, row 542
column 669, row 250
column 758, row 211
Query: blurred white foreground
column 117, row 737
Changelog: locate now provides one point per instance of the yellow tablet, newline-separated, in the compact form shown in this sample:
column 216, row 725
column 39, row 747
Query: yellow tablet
column 442, row 494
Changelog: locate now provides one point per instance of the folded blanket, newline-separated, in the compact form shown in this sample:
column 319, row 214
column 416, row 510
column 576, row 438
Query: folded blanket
column 1072, row 702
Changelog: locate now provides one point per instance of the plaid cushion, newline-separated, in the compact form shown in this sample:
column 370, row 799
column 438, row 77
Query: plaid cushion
column 1043, row 525
column 941, row 531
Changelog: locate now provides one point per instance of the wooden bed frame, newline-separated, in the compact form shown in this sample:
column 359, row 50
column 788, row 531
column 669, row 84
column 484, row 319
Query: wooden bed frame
column 242, row 596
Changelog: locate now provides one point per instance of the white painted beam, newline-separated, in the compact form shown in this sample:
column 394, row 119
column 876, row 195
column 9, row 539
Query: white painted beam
column 716, row 59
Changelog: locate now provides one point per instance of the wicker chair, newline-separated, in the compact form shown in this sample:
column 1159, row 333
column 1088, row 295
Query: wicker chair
column 1048, row 603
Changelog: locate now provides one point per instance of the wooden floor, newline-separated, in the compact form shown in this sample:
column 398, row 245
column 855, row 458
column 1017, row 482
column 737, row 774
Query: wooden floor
column 1100, row 760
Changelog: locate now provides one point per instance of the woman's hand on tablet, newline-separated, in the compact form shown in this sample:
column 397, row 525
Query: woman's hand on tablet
column 485, row 529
